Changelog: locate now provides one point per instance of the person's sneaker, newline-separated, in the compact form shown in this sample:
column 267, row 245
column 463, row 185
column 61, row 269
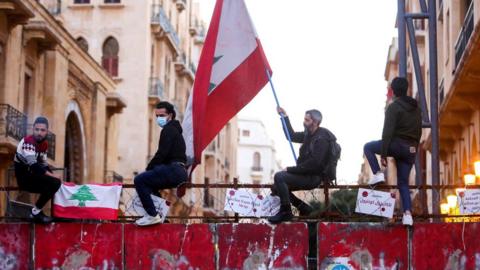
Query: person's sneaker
column 407, row 220
column 377, row 178
column 148, row 220
column 41, row 218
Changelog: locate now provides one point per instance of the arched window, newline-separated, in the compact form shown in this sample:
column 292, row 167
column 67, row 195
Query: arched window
column 110, row 56
column 257, row 162
column 82, row 43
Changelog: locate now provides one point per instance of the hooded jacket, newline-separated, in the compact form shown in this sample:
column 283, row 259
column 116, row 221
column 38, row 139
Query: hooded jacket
column 403, row 120
column 171, row 147
column 314, row 150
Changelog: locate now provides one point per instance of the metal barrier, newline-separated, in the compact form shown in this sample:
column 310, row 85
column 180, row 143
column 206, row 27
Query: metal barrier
column 205, row 203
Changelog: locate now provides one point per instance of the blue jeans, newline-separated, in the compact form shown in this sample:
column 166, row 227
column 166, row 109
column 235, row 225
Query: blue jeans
column 400, row 150
column 160, row 177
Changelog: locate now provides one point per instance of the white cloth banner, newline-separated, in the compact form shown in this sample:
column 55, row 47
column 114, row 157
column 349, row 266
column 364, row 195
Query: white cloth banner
column 246, row 203
column 135, row 207
column 373, row 202
column 469, row 201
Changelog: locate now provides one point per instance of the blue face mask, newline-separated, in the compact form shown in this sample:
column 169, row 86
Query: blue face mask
column 162, row 121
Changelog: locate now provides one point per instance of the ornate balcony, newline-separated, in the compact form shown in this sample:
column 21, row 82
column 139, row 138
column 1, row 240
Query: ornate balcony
column 156, row 90
column 162, row 27
column 13, row 127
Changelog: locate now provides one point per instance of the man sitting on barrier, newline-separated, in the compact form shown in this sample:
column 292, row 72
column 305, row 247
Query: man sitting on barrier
column 32, row 171
column 167, row 168
column 309, row 171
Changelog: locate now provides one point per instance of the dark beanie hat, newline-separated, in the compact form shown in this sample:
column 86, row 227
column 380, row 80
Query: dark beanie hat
column 41, row 120
column 399, row 86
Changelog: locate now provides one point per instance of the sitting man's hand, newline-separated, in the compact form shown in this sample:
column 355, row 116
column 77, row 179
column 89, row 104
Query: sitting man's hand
column 281, row 111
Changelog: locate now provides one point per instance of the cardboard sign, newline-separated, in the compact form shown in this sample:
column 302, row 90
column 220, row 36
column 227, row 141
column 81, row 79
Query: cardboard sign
column 135, row 207
column 373, row 202
column 469, row 201
column 245, row 203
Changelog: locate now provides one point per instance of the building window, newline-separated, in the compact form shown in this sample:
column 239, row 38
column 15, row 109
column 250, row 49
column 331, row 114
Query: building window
column 110, row 56
column 82, row 43
column 81, row 1
column 246, row 133
column 112, row 2
column 257, row 161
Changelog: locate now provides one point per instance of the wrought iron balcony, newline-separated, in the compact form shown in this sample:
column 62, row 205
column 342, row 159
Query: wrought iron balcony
column 53, row 6
column 159, row 17
column 156, row 88
column 257, row 168
column 465, row 34
column 13, row 123
column 113, row 176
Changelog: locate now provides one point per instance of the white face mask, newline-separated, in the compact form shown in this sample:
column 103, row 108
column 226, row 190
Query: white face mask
column 162, row 121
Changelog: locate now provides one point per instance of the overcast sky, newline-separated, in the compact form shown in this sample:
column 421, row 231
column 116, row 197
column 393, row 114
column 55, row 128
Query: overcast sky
column 328, row 55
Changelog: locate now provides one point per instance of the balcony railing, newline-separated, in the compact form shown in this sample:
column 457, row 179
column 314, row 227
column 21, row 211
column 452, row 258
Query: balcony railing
column 464, row 36
column 156, row 88
column 51, row 139
column 53, row 6
column 13, row 123
column 160, row 17
column 257, row 168
column 113, row 176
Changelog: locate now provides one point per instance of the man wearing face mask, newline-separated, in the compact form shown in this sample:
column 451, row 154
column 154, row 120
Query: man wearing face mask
column 167, row 168
column 32, row 171
column 309, row 170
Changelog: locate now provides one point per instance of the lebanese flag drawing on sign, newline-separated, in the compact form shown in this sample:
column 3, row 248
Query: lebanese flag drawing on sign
column 92, row 201
column 231, row 71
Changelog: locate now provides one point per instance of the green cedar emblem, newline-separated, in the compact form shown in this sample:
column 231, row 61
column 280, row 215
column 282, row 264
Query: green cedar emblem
column 83, row 194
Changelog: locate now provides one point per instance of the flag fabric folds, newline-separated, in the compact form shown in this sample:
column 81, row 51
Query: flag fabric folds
column 92, row 201
column 231, row 71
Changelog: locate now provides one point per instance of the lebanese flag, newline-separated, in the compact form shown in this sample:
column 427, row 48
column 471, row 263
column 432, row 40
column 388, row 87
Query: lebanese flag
column 231, row 71
column 92, row 201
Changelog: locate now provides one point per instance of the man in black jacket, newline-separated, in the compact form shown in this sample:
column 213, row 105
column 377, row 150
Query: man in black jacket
column 167, row 167
column 309, row 171
column 402, row 130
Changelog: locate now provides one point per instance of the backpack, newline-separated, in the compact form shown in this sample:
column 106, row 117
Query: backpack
column 330, row 170
column 334, row 153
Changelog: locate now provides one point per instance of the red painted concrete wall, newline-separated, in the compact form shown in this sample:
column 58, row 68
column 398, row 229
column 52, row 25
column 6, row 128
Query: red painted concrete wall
column 446, row 246
column 169, row 246
column 14, row 246
column 261, row 246
column 73, row 246
column 362, row 246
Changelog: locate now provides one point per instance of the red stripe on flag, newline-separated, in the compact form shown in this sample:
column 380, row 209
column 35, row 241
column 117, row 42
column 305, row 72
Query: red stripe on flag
column 85, row 212
column 236, row 91
column 202, row 79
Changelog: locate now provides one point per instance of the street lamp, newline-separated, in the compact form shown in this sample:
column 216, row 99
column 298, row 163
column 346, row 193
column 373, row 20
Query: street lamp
column 469, row 179
column 452, row 201
column 444, row 208
column 477, row 168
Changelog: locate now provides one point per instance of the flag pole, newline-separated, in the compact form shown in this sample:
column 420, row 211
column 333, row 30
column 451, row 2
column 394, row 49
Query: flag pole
column 282, row 116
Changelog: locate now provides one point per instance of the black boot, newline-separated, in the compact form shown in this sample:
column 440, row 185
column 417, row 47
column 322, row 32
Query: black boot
column 305, row 209
column 285, row 214
column 41, row 218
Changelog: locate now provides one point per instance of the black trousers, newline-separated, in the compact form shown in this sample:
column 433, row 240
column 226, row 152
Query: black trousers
column 285, row 183
column 44, row 185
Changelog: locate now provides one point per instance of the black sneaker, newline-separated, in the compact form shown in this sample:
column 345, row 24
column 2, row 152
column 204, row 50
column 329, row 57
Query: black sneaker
column 41, row 218
column 281, row 216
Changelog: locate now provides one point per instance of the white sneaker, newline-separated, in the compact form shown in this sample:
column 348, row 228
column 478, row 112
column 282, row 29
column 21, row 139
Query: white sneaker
column 148, row 220
column 407, row 220
column 377, row 178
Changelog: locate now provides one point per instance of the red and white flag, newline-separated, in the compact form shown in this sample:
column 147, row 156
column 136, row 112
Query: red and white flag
column 231, row 71
column 92, row 201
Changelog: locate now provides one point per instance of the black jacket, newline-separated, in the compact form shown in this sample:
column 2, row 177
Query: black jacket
column 403, row 119
column 313, row 152
column 171, row 147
